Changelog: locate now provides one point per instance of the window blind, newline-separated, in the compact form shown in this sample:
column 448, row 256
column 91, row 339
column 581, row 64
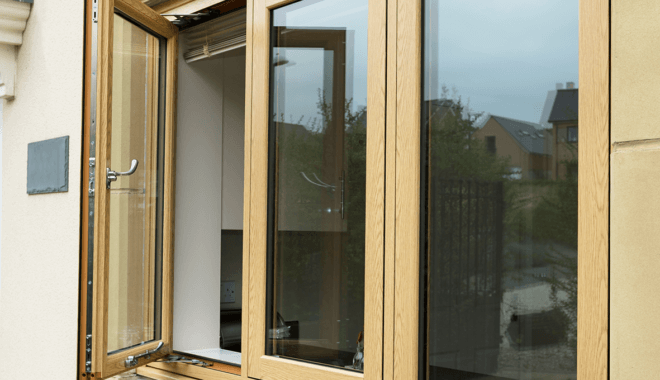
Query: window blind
column 215, row 37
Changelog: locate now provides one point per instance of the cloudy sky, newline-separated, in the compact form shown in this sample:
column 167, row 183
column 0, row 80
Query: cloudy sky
column 503, row 56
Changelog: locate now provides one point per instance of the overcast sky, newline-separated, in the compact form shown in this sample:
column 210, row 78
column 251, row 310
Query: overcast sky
column 502, row 56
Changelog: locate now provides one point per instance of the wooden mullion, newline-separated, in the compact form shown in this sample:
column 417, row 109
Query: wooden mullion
column 594, row 191
column 407, row 177
column 375, row 190
column 247, row 170
column 390, row 193
column 259, row 189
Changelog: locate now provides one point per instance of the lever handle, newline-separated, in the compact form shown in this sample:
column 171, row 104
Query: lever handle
column 112, row 175
column 132, row 361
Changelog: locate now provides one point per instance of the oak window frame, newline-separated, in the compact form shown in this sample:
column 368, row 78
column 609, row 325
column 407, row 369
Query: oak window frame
column 593, row 190
column 399, row 48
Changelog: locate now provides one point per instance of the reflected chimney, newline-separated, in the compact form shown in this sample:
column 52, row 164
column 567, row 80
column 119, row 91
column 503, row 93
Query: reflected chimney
column 570, row 85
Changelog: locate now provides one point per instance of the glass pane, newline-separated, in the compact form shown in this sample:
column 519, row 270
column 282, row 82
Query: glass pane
column 501, row 227
column 318, row 174
column 133, row 290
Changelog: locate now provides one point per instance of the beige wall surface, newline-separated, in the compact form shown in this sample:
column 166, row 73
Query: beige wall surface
column 41, row 233
column 634, row 198
column 635, row 305
column 635, row 74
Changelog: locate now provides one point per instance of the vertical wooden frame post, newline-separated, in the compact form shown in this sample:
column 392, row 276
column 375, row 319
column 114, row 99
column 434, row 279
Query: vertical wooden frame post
column 407, row 188
column 247, row 191
column 594, row 190
column 257, row 214
column 375, row 190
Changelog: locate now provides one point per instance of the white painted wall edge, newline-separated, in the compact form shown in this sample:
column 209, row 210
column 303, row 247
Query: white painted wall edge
column 7, row 71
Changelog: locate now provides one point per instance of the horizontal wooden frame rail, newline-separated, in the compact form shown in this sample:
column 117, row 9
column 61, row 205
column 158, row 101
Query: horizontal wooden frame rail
column 144, row 15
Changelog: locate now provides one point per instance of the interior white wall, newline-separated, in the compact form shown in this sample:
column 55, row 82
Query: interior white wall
column 41, row 233
column 198, row 209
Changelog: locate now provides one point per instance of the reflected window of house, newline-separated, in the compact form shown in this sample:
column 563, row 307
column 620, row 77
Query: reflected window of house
column 490, row 145
column 572, row 134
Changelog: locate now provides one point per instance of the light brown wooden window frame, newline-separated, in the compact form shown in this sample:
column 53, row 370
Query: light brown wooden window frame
column 258, row 364
column 151, row 19
column 399, row 47
column 105, row 365
column 402, row 344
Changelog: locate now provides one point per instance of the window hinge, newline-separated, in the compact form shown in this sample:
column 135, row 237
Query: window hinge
column 88, row 353
column 95, row 11
column 182, row 359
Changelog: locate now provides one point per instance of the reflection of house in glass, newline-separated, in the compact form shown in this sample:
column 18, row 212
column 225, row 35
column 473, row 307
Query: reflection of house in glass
column 564, row 119
column 522, row 142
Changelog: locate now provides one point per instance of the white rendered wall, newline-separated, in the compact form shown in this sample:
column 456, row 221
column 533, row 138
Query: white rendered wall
column 198, row 209
column 41, row 233
column 1, row 104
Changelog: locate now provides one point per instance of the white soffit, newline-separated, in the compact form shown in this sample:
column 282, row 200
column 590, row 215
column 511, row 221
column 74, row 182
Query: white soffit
column 13, row 18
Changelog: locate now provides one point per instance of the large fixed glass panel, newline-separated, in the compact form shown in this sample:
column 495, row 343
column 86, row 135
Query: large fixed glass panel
column 318, row 96
column 134, row 258
column 500, row 182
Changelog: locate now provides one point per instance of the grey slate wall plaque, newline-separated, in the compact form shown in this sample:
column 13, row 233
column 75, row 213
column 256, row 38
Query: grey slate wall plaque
column 48, row 166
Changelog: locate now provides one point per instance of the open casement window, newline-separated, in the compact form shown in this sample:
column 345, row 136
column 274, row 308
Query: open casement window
column 316, row 189
column 129, row 287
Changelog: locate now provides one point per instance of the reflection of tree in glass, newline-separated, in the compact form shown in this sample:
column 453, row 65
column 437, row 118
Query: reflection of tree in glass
column 466, row 216
column 555, row 221
column 454, row 152
column 490, row 237
column 309, row 217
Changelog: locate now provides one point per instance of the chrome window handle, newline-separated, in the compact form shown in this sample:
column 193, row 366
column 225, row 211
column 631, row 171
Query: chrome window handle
column 112, row 175
column 132, row 361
